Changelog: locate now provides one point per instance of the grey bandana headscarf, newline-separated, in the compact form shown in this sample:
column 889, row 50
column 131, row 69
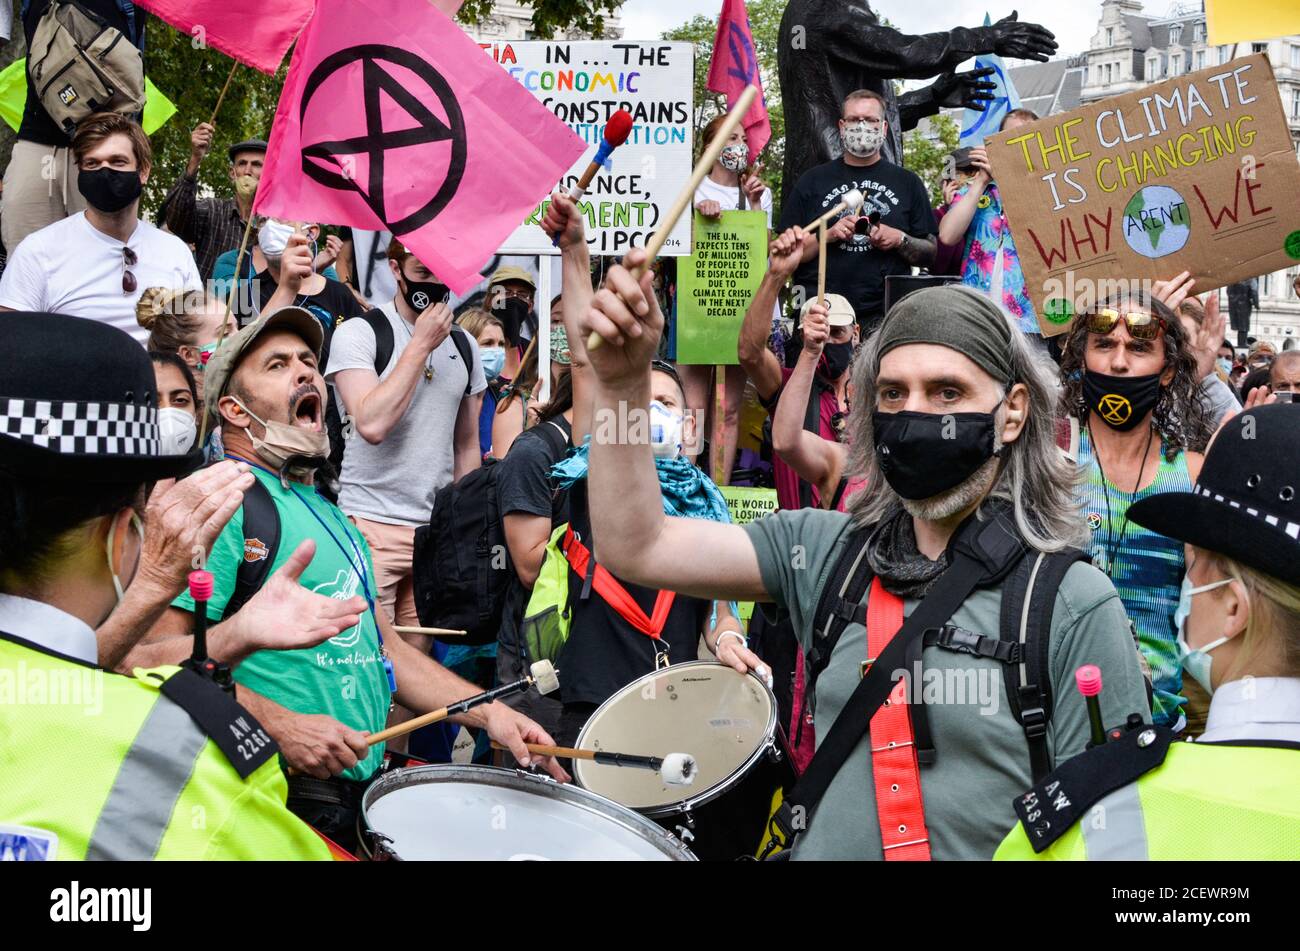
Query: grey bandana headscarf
column 956, row 317
column 897, row 562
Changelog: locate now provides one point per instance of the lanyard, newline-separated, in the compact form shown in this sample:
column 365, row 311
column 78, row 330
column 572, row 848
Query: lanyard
column 357, row 562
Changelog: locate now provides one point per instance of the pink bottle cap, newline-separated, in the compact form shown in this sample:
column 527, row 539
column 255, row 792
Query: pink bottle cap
column 201, row 585
column 1088, row 680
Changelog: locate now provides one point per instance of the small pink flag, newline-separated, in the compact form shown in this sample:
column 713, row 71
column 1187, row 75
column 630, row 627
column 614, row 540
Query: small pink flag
column 734, row 66
column 393, row 119
column 254, row 32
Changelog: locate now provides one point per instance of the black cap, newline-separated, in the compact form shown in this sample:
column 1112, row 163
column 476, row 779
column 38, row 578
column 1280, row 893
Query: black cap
column 248, row 145
column 78, row 402
column 1246, row 504
column 961, row 159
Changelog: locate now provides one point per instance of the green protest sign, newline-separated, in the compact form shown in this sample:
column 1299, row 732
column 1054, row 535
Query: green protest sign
column 747, row 505
column 716, row 283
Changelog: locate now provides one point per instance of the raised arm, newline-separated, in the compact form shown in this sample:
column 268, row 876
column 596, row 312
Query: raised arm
column 635, row 540
column 953, row 227
column 375, row 405
column 816, row 460
column 760, row 363
column 562, row 218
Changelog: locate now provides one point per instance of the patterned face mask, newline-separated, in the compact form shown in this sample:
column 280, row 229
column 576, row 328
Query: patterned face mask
column 735, row 157
column 862, row 140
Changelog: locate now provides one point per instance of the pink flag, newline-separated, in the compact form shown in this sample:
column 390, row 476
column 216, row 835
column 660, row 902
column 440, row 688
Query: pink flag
column 734, row 66
column 393, row 119
column 254, row 32
column 449, row 7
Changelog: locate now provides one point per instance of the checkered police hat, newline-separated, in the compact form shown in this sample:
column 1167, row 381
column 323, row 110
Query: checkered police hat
column 78, row 402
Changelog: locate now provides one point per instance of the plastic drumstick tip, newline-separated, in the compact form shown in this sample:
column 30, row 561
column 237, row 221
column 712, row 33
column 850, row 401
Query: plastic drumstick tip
column 545, row 677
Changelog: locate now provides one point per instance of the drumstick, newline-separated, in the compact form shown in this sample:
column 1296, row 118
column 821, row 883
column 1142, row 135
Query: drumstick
column 541, row 673
column 821, row 263
column 434, row 631
column 852, row 199
column 675, row 769
column 687, row 194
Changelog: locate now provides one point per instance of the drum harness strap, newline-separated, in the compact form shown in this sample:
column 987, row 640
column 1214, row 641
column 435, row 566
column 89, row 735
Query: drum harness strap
column 983, row 553
column 617, row 597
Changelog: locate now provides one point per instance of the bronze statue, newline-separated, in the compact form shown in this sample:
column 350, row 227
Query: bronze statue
column 829, row 48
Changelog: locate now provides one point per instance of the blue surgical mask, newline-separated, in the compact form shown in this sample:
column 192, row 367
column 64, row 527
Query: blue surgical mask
column 1196, row 661
column 1224, row 365
column 494, row 360
column 665, row 431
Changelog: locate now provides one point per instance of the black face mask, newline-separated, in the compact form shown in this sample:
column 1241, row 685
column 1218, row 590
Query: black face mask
column 924, row 454
column 419, row 295
column 835, row 359
column 513, row 314
column 1121, row 401
column 109, row 190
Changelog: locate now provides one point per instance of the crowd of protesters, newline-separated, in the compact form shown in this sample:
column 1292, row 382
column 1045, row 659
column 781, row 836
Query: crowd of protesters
column 314, row 426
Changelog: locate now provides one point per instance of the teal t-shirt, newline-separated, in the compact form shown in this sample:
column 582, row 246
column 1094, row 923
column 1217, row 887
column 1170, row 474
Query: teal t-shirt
column 342, row 677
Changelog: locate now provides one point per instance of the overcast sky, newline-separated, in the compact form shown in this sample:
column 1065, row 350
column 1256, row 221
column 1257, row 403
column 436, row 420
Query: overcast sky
column 1073, row 21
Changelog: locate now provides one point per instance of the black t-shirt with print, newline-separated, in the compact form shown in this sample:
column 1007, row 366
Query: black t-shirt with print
column 853, row 268
column 331, row 306
column 604, row 652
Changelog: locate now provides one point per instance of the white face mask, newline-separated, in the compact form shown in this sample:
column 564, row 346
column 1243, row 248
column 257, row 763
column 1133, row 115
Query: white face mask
column 862, row 140
column 665, row 431
column 273, row 238
column 176, row 431
column 735, row 157
column 1196, row 661
column 112, row 534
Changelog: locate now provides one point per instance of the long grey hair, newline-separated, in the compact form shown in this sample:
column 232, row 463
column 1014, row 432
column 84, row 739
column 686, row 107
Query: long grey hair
column 1034, row 475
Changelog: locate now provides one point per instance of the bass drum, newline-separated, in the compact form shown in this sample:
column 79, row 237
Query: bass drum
column 472, row 813
column 727, row 721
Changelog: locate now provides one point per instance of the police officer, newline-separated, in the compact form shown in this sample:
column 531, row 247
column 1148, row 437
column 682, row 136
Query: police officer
column 1232, row 793
column 162, row 764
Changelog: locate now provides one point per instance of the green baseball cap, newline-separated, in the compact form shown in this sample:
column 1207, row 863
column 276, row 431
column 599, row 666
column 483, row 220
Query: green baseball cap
column 225, row 359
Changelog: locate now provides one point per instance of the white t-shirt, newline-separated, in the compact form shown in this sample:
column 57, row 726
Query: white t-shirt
column 70, row 267
column 729, row 197
column 395, row 481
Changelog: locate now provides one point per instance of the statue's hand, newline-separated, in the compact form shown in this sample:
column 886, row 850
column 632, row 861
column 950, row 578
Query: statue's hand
column 969, row 90
column 1015, row 40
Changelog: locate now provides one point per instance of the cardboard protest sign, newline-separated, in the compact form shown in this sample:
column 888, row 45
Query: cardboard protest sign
column 583, row 84
column 716, row 283
column 1197, row 173
column 747, row 505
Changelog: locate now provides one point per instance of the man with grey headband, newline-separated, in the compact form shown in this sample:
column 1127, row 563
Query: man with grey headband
column 953, row 418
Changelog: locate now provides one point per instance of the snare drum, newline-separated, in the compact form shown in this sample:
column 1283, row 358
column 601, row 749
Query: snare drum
column 480, row 812
column 727, row 721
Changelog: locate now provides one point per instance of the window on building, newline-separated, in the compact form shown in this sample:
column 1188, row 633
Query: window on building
column 1225, row 54
column 1200, row 59
column 1295, row 103
column 1295, row 57
column 1176, row 33
column 1110, row 36
column 1153, row 68
column 1175, row 64
column 1198, row 33
column 1259, row 47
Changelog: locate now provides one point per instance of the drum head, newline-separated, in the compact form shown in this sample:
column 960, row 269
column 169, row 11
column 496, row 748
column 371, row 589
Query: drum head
column 466, row 813
column 725, row 719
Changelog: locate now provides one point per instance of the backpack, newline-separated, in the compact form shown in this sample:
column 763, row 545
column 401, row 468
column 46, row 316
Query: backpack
column 384, row 345
column 1029, row 589
column 461, row 565
column 78, row 65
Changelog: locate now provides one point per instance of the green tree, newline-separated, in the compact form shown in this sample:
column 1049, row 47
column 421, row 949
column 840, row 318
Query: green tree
column 927, row 154
column 191, row 75
column 765, row 21
column 551, row 16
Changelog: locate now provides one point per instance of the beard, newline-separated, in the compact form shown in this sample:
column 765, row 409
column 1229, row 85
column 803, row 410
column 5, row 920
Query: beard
column 959, row 498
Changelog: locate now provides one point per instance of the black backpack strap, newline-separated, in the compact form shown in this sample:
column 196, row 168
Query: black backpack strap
column 460, row 337
column 261, row 541
column 1028, row 598
column 839, row 603
column 378, row 322
column 839, row 493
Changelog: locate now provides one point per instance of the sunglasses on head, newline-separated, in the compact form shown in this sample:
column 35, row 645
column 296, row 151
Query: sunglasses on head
column 129, row 260
column 1140, row 326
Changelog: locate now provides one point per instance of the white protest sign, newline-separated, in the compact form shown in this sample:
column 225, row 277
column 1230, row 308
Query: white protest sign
column 583, row 84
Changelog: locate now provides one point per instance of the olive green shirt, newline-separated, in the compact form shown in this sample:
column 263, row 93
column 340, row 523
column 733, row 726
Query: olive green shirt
column 982, row 757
